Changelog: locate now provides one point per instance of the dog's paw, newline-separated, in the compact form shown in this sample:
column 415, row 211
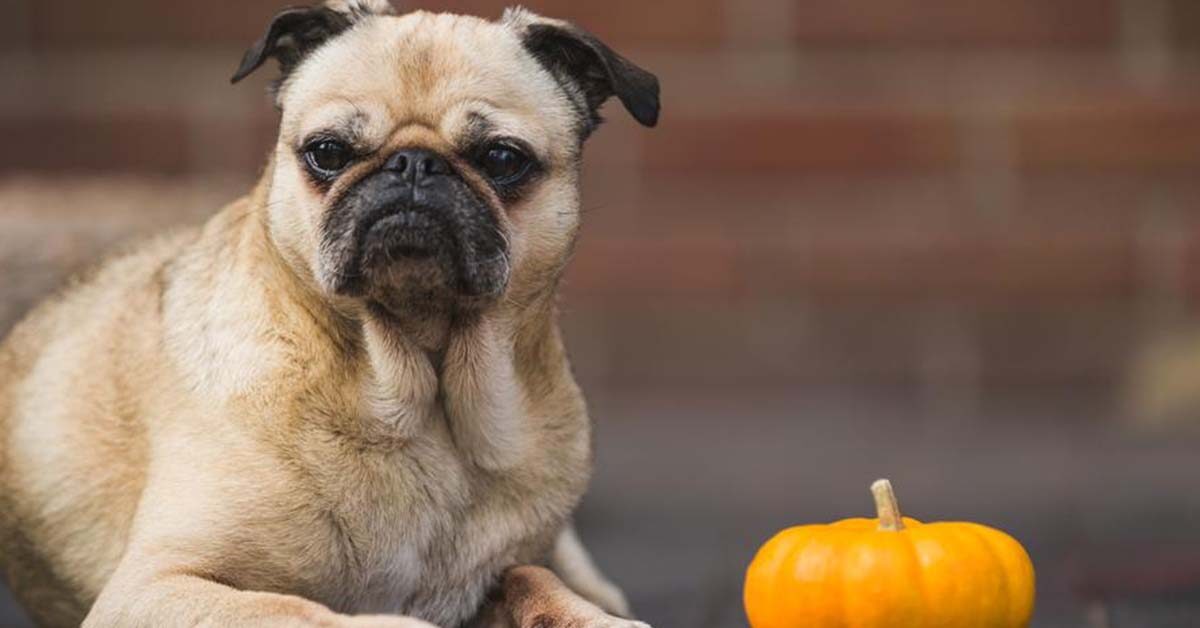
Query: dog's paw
column 582, row 620
column 384, row 621
column 618, row 622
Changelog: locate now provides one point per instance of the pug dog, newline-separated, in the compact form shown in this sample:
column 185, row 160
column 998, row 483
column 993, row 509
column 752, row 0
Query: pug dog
column 345, row 400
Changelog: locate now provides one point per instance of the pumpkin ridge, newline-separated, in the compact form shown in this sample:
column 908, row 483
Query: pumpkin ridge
column 816, row 539
column 999, row 544
column 799, row 543
column 770, row 559
column 986, row 540
column 839, row 593
column 914, row 561
column 965, row 530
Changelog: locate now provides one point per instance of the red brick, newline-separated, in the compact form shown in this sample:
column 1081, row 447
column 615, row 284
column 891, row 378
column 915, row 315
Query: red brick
column 648, row 24
column 14, row 28
column 1185, row 23
column 1130, row 133
column 1112, row 200
column 82, row 23
column 749, row 208
column 234, row 146
column 633, row 344
column 875, row 239
column 667, row 268
column 792, row 142
column 137, row 143
column 808, row 342
column 1191, row 267
column 172, row 81
column 954, row 22
column 863, row 257
column 740, row 208
column 952, row 263
column 128, row 142
column 1056, row 346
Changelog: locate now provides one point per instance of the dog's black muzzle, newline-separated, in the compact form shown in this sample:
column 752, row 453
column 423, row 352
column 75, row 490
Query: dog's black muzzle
column 416, row 210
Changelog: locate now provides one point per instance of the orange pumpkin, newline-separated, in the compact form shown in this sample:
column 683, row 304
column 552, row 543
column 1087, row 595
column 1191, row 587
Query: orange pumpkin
column 891, row 572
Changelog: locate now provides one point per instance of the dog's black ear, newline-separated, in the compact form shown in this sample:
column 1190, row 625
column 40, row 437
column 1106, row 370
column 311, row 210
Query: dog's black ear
column 296, row 32
column 292, row 34
column 595, row 69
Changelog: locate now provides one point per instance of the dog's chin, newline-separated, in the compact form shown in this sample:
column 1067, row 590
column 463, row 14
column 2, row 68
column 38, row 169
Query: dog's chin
column 411, row 263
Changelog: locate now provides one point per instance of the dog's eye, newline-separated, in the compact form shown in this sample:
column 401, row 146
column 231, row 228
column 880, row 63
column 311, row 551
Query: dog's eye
column 505, row 165
column 326, row 158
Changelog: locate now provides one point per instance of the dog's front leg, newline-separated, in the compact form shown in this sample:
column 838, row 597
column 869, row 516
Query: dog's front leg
column 181, row 599
column 533, row 597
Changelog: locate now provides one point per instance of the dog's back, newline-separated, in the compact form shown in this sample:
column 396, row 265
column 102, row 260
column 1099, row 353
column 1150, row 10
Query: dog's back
column 72, row 448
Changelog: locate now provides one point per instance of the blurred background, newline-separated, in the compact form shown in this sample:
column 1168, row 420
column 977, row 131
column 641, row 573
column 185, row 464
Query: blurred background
column 952, row 243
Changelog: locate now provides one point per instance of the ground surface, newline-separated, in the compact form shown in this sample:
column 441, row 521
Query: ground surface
column 685, row 491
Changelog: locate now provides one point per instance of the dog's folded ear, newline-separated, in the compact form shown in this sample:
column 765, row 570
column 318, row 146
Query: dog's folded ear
column 296, row 32
column 590, row 66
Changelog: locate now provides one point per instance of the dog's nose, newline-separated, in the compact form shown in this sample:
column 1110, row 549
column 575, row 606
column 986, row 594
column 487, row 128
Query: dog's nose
column 416, row 163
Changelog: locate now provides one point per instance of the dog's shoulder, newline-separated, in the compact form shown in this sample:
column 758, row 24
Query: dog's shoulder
column 121, row 291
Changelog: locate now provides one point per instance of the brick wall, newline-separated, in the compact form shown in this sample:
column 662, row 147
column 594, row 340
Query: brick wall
column 956, row 197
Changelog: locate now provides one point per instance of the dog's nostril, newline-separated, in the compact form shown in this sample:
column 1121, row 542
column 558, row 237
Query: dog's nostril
column 433, row 164
column 397, row 163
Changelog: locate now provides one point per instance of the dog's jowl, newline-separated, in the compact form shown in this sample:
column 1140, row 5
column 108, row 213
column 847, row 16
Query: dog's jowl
column 344, row 400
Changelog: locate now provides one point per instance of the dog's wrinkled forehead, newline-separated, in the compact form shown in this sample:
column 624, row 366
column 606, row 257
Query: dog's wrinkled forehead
column 438, row 71
column 425, row 69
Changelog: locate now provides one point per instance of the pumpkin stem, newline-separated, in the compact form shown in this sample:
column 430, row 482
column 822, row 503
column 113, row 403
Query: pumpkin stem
column 886, row 506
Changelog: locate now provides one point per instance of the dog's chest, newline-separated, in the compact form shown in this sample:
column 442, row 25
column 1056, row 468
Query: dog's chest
column 425, row 533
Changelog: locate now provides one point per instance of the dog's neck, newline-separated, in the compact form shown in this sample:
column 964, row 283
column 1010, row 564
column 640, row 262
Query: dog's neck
column 474, row 379
column 479, row 371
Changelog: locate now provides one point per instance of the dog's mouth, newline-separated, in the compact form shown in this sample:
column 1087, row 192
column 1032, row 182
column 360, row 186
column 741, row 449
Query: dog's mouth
column 452, row 248
column 405, row 234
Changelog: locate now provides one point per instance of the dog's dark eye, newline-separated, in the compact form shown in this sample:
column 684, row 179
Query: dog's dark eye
column 326, row 158
column 505, row 165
